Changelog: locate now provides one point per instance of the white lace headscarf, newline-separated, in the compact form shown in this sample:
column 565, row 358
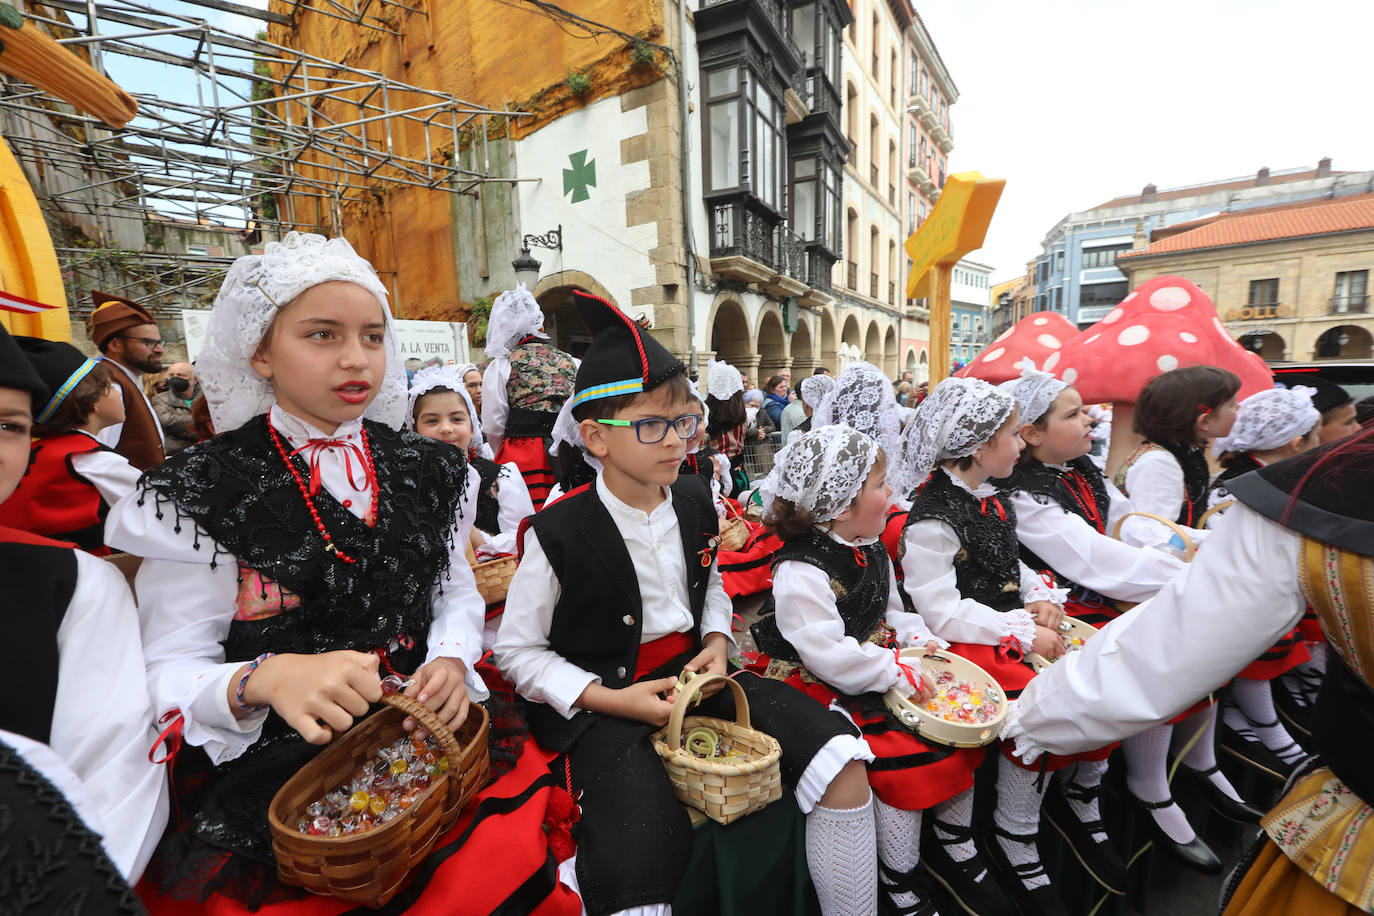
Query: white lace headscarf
column 567, row 429
column 256, row 287
column 821, row 471
column 953, row 422
column 723, row 380
column 450, row 377
column 1034, row 391
column 863, row 400
column 813, row 388
column 1271, row 419
column 515, row 315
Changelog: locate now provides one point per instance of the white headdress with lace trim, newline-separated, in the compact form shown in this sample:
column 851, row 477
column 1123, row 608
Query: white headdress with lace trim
column 813, row 388
column 1270, row 419
column 723, row 380
column 1034, row 391
column 863, row 399
column 566, row 429
column 450, row 377
column 256, row 287
column 515, row 315
column 821, row 471
column 953, row 422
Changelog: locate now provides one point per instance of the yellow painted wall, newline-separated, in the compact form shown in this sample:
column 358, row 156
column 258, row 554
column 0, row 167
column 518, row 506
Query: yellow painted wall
column 494, row 54
column 28, row 264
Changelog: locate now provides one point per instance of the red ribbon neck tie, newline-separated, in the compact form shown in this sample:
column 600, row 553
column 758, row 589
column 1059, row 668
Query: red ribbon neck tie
column 860, row 557
column 996, row 504
column 315, row 446
column 173, row 723
column 913, row 677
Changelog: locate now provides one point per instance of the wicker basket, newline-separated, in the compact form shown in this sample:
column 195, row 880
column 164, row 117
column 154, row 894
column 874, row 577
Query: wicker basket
column 723, row 791
column 733, row 534
column 1189, row 548
column 369, row 868
column 1069, row 626
column 1215, row 510
column 934, row 728
column 493, row 576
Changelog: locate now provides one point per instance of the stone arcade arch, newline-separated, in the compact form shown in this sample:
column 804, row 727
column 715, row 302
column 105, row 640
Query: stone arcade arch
column 554, row 294
column 873, row 345
column 890, row 352
column 1345, row 341
column 772, row 344
column 829, row 344
column 803, row 349
column 731, row 339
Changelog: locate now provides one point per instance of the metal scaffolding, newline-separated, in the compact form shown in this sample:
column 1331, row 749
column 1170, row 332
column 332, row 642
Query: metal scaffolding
column 234, row 133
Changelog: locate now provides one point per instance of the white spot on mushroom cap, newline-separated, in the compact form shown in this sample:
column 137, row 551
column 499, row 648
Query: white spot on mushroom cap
column 1135, row 334
column 1048, row 340
column 1167, row 362
column 1052, row 361
column 1004, row 335
column 1113, row 316
column 994, row 354
column 1040, row 321
column 1169, row 298
column 1128, row 298
column 1187, row 337
column 1070, row 375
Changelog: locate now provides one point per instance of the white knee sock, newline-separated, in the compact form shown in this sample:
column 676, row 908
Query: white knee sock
column 1086, row 774
column 1254, row 714
column 899, row 842
column 841, row 851
column 1203, row 754
column 957, row 812
column 1147, row 762
column 1019, row 793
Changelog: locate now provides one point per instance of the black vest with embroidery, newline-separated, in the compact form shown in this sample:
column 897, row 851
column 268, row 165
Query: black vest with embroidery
column 236, row 490
column 1241, row 464
column 488, row 516
column 860, row 590
column 987, row 565
column 1080, row 491
column 598, row 617
column 701, row 464
column 39, row 581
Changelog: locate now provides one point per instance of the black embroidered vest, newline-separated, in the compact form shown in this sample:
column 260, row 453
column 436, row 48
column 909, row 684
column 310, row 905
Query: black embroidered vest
column 1080, row 491
column 861, row 591
column 1241, row 464
column 488, row 516
column 236, row 490
column 40, row 579
column 986, row 568
column 597, row 619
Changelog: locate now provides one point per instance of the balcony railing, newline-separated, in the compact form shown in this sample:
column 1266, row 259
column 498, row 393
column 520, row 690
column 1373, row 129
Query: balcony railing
column 852, row 275
column 818, row 268
column 789, row 253
column 1341, row 305
column 741, row 228
column 873, row 286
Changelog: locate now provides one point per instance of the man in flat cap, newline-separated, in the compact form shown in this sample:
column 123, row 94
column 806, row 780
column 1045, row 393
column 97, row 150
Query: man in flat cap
column 127, row 335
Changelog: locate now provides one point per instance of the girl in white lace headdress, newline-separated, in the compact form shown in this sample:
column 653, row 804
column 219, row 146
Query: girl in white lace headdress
column 725, row 429
column 964, row 575
column 863, row 399
column 810, row 391
column 441, row 409
column 523, row 388
column 835, row 636
column 286, row 557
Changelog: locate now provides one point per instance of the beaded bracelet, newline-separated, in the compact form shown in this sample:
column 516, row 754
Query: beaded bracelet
column 243, row 682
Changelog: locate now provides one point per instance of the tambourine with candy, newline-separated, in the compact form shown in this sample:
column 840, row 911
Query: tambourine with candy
column 968, row 709
column 1076, row 634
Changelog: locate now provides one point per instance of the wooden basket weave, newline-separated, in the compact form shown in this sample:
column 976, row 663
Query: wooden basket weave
column 733, row 534
column 493, row 576
column 724, row 789
column 1189, row 548
column 370, row 868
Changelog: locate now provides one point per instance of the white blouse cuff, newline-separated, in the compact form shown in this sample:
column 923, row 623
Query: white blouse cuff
column 1021, row 625
column 1022, row 745
column 1043, row 592
column 833, row 756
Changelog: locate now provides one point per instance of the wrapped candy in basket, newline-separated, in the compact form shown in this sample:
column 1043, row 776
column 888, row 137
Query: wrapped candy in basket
column 968, row 709
column 355, row 820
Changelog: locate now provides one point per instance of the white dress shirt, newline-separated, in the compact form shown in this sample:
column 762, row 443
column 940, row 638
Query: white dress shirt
column 186, row 606
column 1088, row 558
column 1231, row 603
column 109, row 472
column 1155, row 482
column 655, row 546
column 809, row 619
column 110, row 434
column 495, row 408
column 930, row 581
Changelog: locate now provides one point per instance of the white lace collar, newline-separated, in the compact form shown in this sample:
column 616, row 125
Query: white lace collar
column 857, row 542
column 300, row 432
column 982, row 491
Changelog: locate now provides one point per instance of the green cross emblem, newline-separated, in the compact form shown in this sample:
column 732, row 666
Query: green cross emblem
column 580, row 177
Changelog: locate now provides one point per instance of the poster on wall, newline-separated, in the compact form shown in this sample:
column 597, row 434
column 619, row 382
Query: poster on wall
column 423, row 343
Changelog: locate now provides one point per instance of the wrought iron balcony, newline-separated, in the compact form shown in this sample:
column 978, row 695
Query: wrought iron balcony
column 1342, row 305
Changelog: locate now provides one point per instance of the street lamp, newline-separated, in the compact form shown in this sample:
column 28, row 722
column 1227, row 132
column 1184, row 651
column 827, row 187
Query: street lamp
column 526, row 269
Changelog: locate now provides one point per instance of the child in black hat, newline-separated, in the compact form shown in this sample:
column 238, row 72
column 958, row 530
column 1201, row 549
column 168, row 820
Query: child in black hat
column 72, row 479
column 1339, row 416
column 78, row 629
column 616, row 594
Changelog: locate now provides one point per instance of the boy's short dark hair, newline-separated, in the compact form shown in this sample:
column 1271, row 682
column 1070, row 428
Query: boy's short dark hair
column 678, row 386
column 1169, row 405
column 77, row 406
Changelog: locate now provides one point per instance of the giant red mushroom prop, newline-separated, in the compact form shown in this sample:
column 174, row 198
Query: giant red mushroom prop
column 1165, row 323
column 1034, row 337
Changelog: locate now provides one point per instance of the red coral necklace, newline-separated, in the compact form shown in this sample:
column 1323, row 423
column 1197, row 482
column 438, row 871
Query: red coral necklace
column 370, row 473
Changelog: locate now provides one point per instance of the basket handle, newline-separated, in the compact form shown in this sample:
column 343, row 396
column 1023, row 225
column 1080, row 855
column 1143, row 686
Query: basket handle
column 1219, row 507
column 687, row 693
column 426, row 717
column 1189, row 548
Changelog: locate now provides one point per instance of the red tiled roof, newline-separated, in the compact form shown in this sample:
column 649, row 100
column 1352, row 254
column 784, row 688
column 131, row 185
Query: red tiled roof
column 1197, row 190
column 1283, row 222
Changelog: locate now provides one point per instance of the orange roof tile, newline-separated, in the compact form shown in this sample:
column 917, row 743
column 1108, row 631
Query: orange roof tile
column 1283, row 222
column 1237, row 184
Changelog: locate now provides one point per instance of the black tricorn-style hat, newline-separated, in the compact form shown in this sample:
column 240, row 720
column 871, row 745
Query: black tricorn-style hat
column 61, row 367
column 623, row 357
column 17, row 372
column 1328, row 395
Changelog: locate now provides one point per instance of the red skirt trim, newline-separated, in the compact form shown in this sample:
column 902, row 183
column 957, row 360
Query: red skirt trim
column 1310, row 628
column 1093, row 612
column 1285, row 655
column 532, row 458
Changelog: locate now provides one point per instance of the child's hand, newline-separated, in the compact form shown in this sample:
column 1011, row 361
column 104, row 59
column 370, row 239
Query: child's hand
column 318, row 695
column 1046, row 613
column 642, row 701
column 924, row 692
column 1048, row 642
column 442, row 686
column 710, row 660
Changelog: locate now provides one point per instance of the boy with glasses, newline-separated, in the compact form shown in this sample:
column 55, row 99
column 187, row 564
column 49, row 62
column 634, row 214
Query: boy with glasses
column 616, row 594
column 127, row 336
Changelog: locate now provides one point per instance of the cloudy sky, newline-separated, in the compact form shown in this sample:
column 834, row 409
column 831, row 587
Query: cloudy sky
column 1075, row 102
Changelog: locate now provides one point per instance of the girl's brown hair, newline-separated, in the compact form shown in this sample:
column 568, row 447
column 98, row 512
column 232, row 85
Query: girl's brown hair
column 420, row 401
column 77, row 406
column 1169, row 405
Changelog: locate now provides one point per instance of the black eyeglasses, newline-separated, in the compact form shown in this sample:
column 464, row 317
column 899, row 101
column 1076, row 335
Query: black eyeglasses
column 652, row 430
column 152, row 343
